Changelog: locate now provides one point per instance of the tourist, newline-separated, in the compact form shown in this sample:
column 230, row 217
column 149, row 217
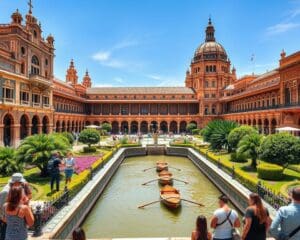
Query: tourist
column 54, row 171
column 17, row 179
column 69, row 167
column 201, row 232
column 17, row 215
column 78, row 234
column 224, row 220
column 257, row 220
column 286, row 224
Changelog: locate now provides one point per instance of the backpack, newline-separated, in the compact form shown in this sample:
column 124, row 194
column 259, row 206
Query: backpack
column 50, row 165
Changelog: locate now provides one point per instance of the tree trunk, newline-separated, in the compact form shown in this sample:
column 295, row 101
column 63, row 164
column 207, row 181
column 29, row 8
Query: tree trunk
column 254, row 163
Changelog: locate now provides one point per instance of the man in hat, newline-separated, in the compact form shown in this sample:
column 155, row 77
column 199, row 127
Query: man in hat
column 17, row 179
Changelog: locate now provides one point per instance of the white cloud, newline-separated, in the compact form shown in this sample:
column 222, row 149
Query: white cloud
column 154, row 77
column 102, row 56
column 125, row 44
column 281, row 28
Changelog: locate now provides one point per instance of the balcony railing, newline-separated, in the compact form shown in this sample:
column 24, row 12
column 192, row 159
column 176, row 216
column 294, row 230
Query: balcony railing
column 23, row 102
column 38, row 79
column 36, row 104
column 277, row 106
column 46, row 105
column 8, row 100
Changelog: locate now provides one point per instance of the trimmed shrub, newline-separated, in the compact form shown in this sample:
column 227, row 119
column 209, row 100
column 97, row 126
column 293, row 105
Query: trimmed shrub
column 131, row 145
column 89, row 149
column 89, row 136
column 270, row 172
column 241, row 158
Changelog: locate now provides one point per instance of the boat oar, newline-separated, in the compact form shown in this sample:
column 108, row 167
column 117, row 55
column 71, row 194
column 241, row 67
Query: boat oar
column 150, row 181
column 200, row 204
column 148, row 169
column 147, row 204
column 178, row 169
column 180, row 180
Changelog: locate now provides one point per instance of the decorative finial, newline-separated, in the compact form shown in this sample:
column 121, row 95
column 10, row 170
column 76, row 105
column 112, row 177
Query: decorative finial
column 209, row 20
column 86, row 72
column 30, row 6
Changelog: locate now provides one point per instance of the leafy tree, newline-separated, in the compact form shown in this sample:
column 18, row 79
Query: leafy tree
column 8, row 162
column 238, row 133
column 280, row 148
column 38, row 149
column 216, row 133
column 106, row 127
column 190, row 127
column 249, row 146
column 89, row 136
column 68, row 136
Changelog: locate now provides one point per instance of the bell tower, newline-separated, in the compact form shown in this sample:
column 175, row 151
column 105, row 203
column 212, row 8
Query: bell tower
column 72, row 74
column 87, row 80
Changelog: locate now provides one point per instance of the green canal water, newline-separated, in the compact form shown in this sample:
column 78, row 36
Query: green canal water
column 116, row 213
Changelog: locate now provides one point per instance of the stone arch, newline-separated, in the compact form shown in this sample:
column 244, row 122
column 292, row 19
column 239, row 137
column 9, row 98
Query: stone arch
column 63, row 126
column 273, row 125
column 124, row 127
column 154, row 126
column 8, row 130
column 245, row 122
column 45, row 125
column 68, row 126
column 259, row 122
column 173, row 127
column 144, row 127
column 182, row 126
column 57, row 126
column 163, row 126
column 115, row 127
column 97, row 123
column 73, row 126
column 35, row 124
column 266, row 126
column 194, row 122
column 249, row 122
column 134, row 127
column 24, row 126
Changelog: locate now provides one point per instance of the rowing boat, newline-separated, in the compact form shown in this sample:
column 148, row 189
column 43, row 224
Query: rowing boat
column 170, row 197
column 166, row 180
column 160, row 166
column 165, row 173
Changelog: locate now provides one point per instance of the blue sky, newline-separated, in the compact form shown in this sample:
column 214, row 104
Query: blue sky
column 151, row 42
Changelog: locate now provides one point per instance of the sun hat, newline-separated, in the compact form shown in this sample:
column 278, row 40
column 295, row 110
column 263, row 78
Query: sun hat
column 17, row 177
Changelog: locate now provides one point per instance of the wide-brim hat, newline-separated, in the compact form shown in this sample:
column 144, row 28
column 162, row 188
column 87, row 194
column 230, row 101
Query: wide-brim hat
column 17, row 177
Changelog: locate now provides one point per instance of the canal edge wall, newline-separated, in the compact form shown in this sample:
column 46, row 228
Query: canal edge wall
column 71, row 216
column 236, row 192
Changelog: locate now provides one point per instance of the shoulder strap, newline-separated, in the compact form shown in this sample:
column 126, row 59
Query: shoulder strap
column 294, row 232
column 226, row 219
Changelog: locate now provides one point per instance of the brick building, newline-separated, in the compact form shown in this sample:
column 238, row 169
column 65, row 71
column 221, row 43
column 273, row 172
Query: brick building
column 33, row 101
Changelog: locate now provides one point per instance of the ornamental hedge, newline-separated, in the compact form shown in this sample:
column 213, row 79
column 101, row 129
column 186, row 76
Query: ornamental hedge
column 270, row 172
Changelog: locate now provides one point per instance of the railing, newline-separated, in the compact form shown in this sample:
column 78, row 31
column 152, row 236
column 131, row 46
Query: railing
column 290, row 105
column 35, row 104
column 46, row 105
column 8, row 100
column 276, row 200
column 24, row 102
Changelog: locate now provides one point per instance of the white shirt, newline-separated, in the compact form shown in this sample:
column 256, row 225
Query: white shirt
column 224, row 231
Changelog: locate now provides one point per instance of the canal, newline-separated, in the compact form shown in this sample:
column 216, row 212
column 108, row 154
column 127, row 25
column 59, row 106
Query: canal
column 116, row 213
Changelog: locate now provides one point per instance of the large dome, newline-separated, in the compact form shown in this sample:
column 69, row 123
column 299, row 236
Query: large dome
column 210, row 47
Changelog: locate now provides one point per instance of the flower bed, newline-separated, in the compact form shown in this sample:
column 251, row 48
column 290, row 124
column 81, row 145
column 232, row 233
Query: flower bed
column 85, row 162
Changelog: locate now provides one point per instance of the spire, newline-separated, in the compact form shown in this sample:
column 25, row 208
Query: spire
column 16, row 17
column 30, row 6
column 72, row 73
column 87, row 80
column 210, row 32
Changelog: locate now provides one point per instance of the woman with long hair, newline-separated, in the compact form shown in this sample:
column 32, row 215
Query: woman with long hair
column 201, row 232
column 257, row 219
column 78, row 234
column 17, row 215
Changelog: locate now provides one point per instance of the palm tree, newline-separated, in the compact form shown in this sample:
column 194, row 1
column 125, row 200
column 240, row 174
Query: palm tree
column 8, row 162
column 249, row 145
column 216, row 133
column 38, row 149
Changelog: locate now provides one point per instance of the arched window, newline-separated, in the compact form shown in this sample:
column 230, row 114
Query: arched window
column 35, row 65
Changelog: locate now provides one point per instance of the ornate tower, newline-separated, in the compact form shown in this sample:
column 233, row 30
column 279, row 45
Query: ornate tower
column 87, row 80
column 72, row 74
column 209, row 73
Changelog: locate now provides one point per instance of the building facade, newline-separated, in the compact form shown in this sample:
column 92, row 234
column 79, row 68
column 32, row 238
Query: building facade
column 33, row 101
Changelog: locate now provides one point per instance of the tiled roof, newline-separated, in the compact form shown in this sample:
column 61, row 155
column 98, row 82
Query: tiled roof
column 62, row 82
column 264, row 75
column 140, row 90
